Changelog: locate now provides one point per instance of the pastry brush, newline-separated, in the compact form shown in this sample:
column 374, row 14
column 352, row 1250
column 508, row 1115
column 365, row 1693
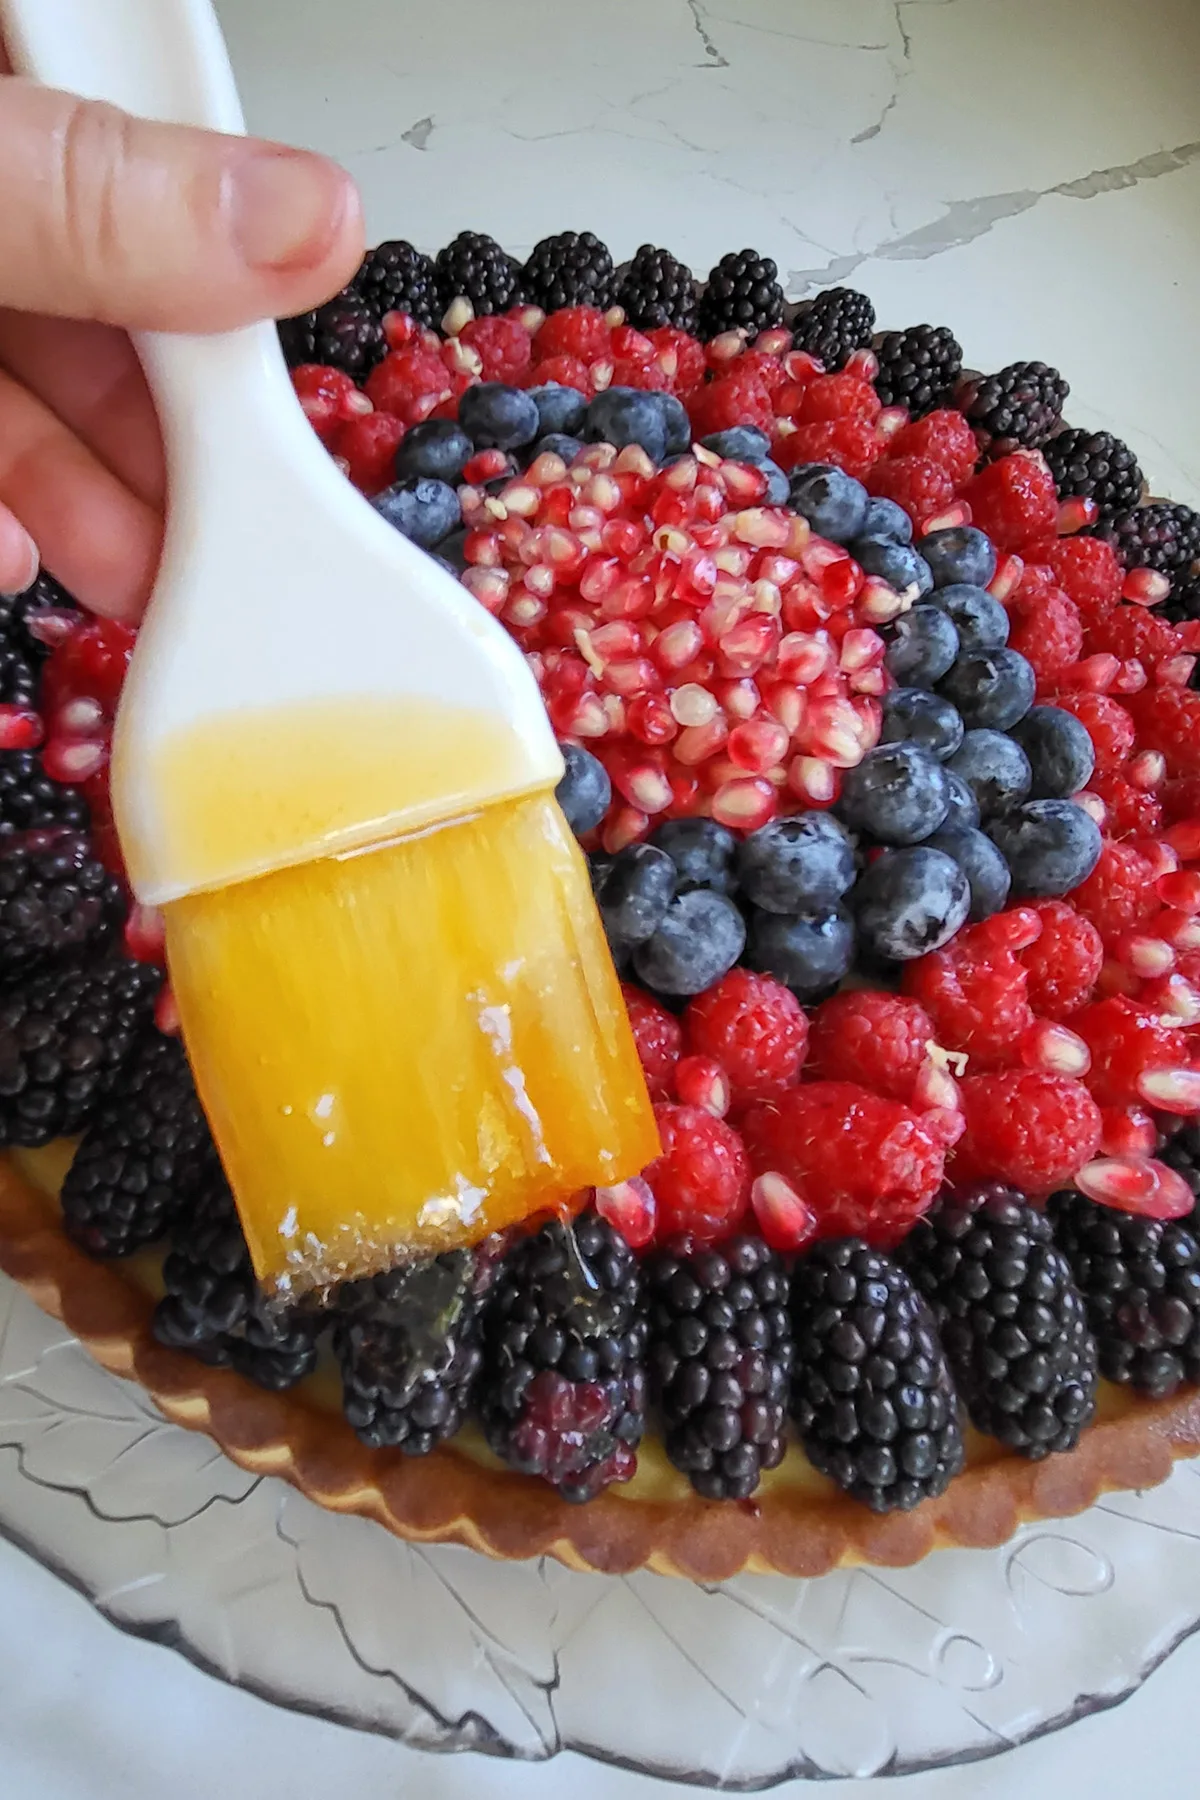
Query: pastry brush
column 333, row 772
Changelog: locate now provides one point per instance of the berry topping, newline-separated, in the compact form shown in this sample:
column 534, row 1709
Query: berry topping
column 1097, row 466
column 918, row 367
column 1064, row 961
column 1050, row 846
column 474, row 267
column 742, row 293
column 754, row 1028
column 834, row 325
column 658, row 290
column 701, row 1182
column 572, row 269
column 880, row 1041
column 909, row 902
column 1013, row 500
column 658, row 1036
column 1025, row 1127
column 975, row 991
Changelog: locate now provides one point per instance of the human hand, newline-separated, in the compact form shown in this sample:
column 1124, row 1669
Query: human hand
column 110, row 224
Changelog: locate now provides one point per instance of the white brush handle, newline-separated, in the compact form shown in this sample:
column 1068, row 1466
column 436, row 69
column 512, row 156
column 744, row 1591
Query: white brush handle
column 279, row 586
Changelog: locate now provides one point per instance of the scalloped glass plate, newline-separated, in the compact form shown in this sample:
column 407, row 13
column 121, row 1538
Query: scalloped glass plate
column 761, row 1679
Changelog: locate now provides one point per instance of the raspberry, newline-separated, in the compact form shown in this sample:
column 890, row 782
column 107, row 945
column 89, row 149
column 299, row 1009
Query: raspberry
column 1131, row 811
column 755, row 1028
column 409, row 383
column 327, row 397
column 659, row 1039
column 1044, row 625
column 1125, row 1042
column 1181, row 799
column 877, row 1039
column 503, row 346
column 942, row 437
column 733, row 399
column 1130, row 631
column 920, row 486
column 1109, row 726
column 1026, row 1128
column 681, row 355
column 849, row 444
column 1087, row 570
column 843, row 396
column 864, row 1165
column 580, row 331
column 1168, row 719
column 701, row 1182
column 1013, row 500
column 646, row 375
column 567, row 371
column 976, row 993
column 1064, row 962
column 368, row 448
column 1119, row 893
column 773, row 375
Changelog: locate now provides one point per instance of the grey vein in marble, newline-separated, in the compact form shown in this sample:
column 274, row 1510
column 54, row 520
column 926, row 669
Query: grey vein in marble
column 965, row 220
column 712, row 56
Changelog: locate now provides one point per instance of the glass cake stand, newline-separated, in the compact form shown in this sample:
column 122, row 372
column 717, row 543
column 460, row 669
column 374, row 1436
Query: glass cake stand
column 758, row 1680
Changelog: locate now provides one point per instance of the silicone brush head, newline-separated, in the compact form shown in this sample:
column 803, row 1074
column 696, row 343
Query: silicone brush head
column 405, row 1049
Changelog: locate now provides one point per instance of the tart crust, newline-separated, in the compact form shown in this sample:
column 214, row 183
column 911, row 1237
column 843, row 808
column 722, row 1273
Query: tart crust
column 454, row 1497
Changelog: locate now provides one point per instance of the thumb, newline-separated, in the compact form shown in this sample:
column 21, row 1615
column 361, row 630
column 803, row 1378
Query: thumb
column 162, row 227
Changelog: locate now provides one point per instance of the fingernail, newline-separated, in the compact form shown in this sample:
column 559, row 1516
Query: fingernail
column 287, row 207
column 20, row 556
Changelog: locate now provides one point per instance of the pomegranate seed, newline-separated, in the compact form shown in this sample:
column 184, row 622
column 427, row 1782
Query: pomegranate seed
column 803, row 655
column 812, row 779
column 1180, row 890
column 950, row 517
column 1074, row 514
column 935, row 1087
column 1145, row 587
column 1055, row 1049
column 51, row 626
column 693, row 705
column 1009, row 571
column 624, row 827
column 861, row 650
column 1096, row 673
column 599, row 578
column 630, row 1209
column 1172, row 999
column 891, row 420
column 585, row 718
column 21, row 728
column 1147, row 770
column 1162, row 859
column 745, row 805
column 740, row 697
column 801, row 366
column 744, row 485
column 724, row 348
column 73, row 759
column 1179, row 929
column 746, row 645
column 145, row 934
column 1127, row 1131
column 166, row 1011
column 1094, row 807
column 758, row 745
column 647, row 788
column 879, row 603
column 1144, row 955
column 784, row 1219
column 831, row 730
column 1184, row 839
column 698, row 742
column 1175, row 671
column 701, row 1081
column 1170, row 1090
column 762, row 527
column 1136, row 1184
column 786, row 704
column 776, row 339
column 524, row 611
column 489, row 586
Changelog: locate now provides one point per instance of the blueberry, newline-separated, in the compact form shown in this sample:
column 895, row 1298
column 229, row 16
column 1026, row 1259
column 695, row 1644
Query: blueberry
column 897, row 564
column 888, row 521
column 992, row 689
column 557, row 443
column 897, row 793
column 425, row 511
column 497, row 417
column 1060, row 752
column 600, row 865
column 796, row 864
column 437, row 448
column 676, row 422
column 584, row 791
column 962, row 814
column 1050, row 846
column 702, row 852
column 636, row 894
column 911, row 715
column 559, row 408
column 834, row 504
column 980, row 621
column 959, row 553
column 910, row 902
column 994, row 768
column 701, row 936
column 621, row 416
column 982, row 864
column 809, row 952
column 778, row 485
column 739, row 443
column 924, row 645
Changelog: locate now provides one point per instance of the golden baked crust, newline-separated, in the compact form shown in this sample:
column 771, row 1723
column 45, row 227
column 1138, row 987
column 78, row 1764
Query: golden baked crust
column 454, row 1497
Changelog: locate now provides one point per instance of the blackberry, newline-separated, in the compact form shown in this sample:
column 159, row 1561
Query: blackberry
column 918, row 367
column 408, row 1344
column 1162, row 536
column 872, row 1395
column 142, row 1158
column 19, row 614
column 572, row 269
column 347, row 335
column 30, row 801
column 656, row 289
column 65, row 1038
column 1097, row 466
column 562, row 1393
column 475, row 266
column 395, row 277
column 1011, row 1316
column 1021, row 404
column 296, row 338
column 18, row 676
column 720, row 1359
column 213, row 1307
column 1181, row 1152
column 742, row 294
column 54, row 897
column 1140, row 1280
column 1182, row 604
column 834, row 325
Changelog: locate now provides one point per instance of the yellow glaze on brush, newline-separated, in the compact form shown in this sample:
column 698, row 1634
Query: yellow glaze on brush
column 409, row 1047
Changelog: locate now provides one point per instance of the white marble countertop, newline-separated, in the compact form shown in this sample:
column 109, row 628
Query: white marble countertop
column 1027, row 171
